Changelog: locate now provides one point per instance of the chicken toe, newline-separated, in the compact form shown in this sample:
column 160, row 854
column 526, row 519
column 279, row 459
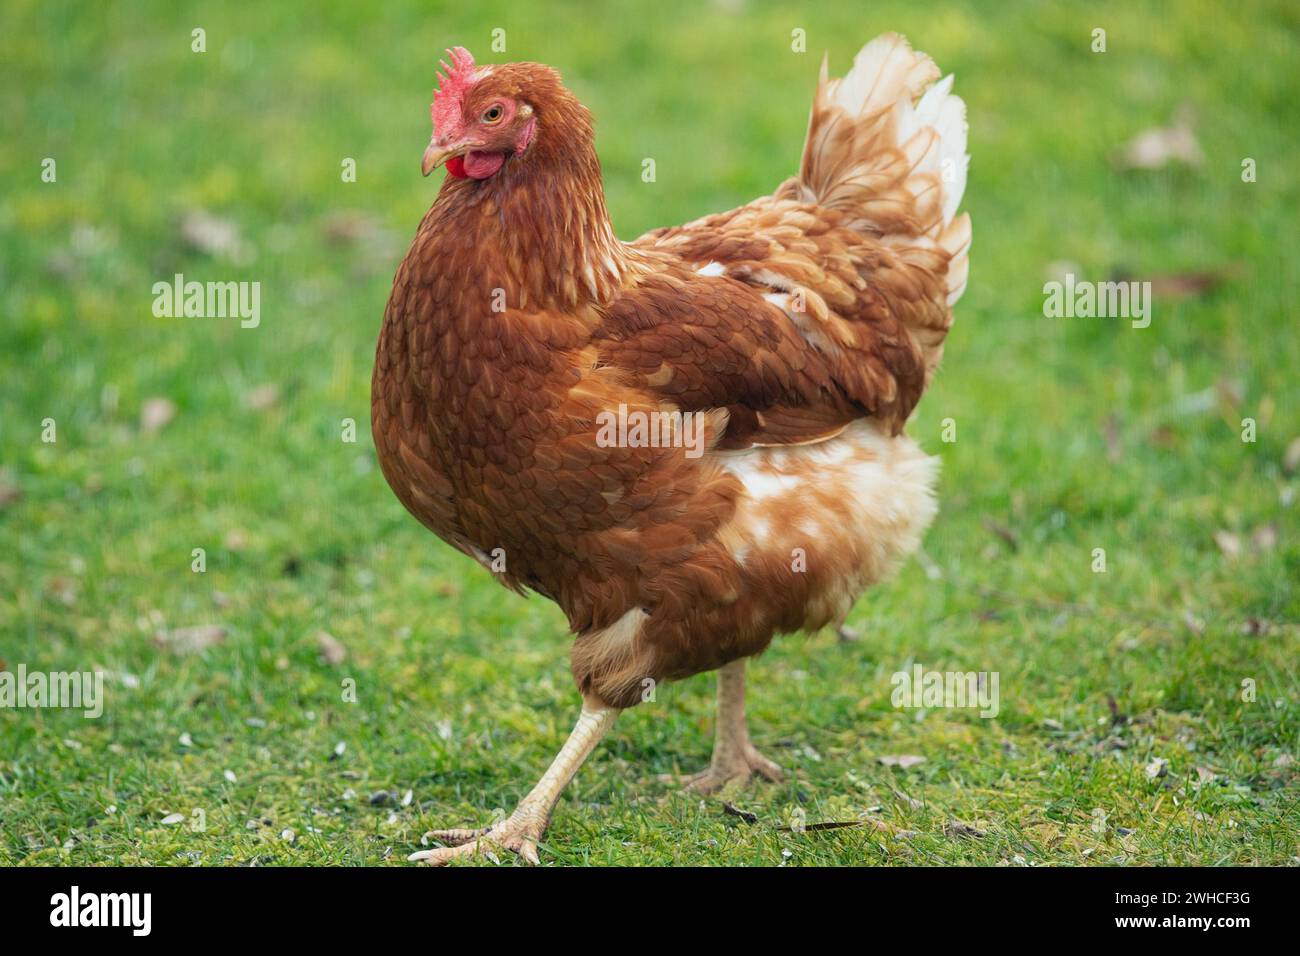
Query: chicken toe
column 735, row 773
column 518, row 833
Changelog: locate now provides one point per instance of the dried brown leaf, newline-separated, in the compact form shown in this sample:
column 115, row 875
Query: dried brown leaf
column 1003, row 532
column 901, row 760
column 1177, row 286
column 262, row 397
column 331, row 650
column 190, row 640
column 1291, row 458
column 1164, row 437
column 735, row 811
column 1264, row 538
column 213, row 236
column 10, row 492
column 63, row 589
column 1229, row 544
column 1158, row 146
column 155, row 414
column 1113, row 436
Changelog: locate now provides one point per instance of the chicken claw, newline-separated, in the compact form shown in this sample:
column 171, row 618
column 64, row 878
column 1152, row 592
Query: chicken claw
column 734, row 772
column 519, row 833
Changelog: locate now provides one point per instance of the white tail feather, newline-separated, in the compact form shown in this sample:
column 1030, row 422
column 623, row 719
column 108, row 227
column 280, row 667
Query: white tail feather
column 887, row 147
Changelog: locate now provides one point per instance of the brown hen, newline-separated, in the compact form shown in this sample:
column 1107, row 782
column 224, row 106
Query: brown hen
column 691, row 442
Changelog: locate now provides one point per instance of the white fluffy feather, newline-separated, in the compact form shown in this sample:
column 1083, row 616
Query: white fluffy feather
column 888, row 136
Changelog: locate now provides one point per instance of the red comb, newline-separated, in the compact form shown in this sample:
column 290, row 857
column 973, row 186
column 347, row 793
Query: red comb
column 453, row 82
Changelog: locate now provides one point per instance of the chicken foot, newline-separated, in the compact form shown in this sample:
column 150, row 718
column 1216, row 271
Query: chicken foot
column 735, row 759
column 521, row 831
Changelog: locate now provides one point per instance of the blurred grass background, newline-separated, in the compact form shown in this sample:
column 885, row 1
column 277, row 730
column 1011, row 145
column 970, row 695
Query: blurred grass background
column 1073, row 434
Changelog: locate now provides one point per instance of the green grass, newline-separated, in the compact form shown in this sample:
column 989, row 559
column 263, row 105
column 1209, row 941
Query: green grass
column 1072, row 435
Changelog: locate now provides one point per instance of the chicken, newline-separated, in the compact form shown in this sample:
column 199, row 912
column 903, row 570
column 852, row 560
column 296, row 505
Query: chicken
column 775, row 350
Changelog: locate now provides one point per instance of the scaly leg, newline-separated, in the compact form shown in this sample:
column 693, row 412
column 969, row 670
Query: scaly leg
column 523, row 828
column 735, row 759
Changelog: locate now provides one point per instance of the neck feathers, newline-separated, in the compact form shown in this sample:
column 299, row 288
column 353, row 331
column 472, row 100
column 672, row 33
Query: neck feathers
column 537, row 233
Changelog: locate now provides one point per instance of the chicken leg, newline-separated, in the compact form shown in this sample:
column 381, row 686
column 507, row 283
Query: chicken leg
column 522, row 830
column 735, row 759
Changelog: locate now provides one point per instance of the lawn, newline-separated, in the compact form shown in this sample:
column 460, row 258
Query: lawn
column 1147, row 712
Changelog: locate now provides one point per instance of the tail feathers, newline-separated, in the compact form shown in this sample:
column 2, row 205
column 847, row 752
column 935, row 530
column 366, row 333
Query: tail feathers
column 887, row 147
column 955, row 240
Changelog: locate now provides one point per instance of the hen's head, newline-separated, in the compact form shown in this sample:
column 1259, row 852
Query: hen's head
column 484, row 117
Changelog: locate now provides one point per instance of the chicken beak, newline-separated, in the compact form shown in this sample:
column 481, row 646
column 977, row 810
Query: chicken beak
column 435, row 155
column 441, row 150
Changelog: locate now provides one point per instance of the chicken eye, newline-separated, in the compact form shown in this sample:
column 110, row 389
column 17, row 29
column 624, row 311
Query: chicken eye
column 493, row 114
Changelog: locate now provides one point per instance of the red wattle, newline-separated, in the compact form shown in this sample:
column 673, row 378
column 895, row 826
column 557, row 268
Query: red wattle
column 456, row 166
